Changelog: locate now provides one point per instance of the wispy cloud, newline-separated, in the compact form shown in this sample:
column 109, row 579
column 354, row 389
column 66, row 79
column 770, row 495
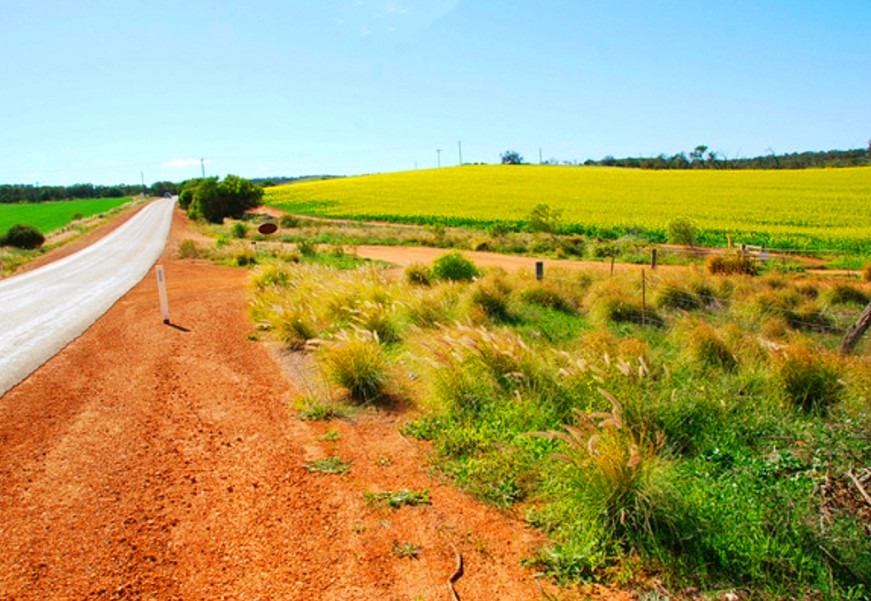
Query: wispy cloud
column 181, row 163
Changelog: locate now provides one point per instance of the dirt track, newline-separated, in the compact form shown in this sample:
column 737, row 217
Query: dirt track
column 155, row 462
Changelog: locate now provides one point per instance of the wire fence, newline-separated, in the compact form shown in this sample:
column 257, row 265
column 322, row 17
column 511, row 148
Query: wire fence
column 801, row 314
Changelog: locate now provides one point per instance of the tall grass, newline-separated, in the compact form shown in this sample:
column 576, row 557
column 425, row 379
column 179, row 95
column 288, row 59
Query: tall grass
column 720, row 458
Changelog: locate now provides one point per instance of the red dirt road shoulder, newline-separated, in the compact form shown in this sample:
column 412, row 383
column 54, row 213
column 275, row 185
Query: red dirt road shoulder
column 158, row 462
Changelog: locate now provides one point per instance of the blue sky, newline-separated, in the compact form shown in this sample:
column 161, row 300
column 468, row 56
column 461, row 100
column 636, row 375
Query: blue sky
column 110, row 91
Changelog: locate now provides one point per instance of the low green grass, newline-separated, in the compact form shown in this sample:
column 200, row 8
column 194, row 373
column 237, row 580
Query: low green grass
column 49, row 216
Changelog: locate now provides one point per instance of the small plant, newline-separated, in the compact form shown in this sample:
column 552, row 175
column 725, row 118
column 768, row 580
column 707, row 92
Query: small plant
column 492, row 296
column 288, row 221
column 319, row 412
column 614, row 469
column 329, row 465
column 547, row 297
column 396, row 500
column 188, row 249
column 418, row 273
column 77, row 216
column 357, row 362
column 331, row 436
column 406, row 550
column 21, row 236
column 455, row 267
column 808, row 381
column 674, row 297
column 307, row 248
column 239, row 230
column 244, row 257
column 709, row 350
column 845, row 294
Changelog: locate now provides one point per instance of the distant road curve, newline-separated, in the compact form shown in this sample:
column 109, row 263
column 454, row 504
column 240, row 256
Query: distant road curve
column 43, row 310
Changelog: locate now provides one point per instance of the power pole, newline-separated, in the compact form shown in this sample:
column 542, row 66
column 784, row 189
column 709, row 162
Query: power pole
column 439, row 156
column 460, row 146
column 539, row 155
column 203, row 167
column 142, row 177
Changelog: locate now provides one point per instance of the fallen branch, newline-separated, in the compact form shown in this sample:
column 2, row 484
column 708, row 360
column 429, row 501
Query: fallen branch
column 458, row 572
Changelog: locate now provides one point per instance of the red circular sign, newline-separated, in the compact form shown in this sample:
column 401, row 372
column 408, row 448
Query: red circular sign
column 268, row 228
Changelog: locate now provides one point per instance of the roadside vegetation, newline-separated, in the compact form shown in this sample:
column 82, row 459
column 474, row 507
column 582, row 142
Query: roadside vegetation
column 29, row 230
column 702, row 433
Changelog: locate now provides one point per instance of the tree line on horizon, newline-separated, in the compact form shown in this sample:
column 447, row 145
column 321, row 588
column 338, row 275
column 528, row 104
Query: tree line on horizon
column 26, row 193
column 703, row 158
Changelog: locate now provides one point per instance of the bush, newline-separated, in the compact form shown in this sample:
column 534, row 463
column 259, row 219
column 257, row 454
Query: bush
column 573, row 246
column 417, row 273
column 492, row 295
column 731, row 264
column 288, row 221
column 23, row 236
column 616, row 308
column 672, row 297
column 845, row 294
column 240, row 230
column 709, row 350
column 455, row 267
column 188, row 249
column 307, row 248
column 682, row 231
column 357, row 363
column 548, row 298
column 808, row 381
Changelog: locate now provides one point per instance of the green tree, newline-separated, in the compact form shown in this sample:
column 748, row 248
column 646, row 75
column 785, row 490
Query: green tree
column 240, row 194
column 545, row 219
column 511, row 157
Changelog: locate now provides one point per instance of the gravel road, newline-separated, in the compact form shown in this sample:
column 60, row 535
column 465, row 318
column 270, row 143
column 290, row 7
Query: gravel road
column 41, row 311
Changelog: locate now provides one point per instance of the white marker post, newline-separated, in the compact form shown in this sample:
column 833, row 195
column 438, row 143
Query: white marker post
column 161, row 290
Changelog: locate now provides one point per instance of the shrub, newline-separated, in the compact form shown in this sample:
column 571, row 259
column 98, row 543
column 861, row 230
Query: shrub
column 709, row 350
column 356, row 362
column 682, row 231
column 288, row 221
column 616, row 308
column 244, row 257
column 240, row 230
column 418, row 273
column 807, row 380
column 307, row 248
column 455, row 267
column 844, row 294
column 615, row 470
column 22, row 236
column 548, row 298
column 77, row 216
column 731, row 264
column 188, row 249
column 492, row 296
column 673, row 297
column 573, row 246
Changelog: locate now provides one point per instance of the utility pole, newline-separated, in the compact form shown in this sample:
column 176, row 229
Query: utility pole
column 460, row 146
column 142, row 177
column 439, row 156
column 203, row 167
column 539, row 155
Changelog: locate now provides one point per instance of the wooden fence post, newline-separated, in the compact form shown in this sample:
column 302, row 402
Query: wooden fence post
column 855, row 332
column 653, row 259
column 539, row 270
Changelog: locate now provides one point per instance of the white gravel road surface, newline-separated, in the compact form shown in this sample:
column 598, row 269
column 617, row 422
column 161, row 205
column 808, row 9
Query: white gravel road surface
column 42, row 310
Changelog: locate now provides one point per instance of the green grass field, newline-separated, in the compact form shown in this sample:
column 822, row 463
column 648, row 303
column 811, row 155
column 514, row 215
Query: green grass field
column 803, row 209
column 48, row 216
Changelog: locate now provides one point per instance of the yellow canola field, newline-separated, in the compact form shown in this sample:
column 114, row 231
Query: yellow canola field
column 809, row 207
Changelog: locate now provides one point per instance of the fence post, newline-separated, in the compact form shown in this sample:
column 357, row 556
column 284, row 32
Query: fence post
column 539, row 270
column 161, row 291
column 612, row 265
column 653, row 259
